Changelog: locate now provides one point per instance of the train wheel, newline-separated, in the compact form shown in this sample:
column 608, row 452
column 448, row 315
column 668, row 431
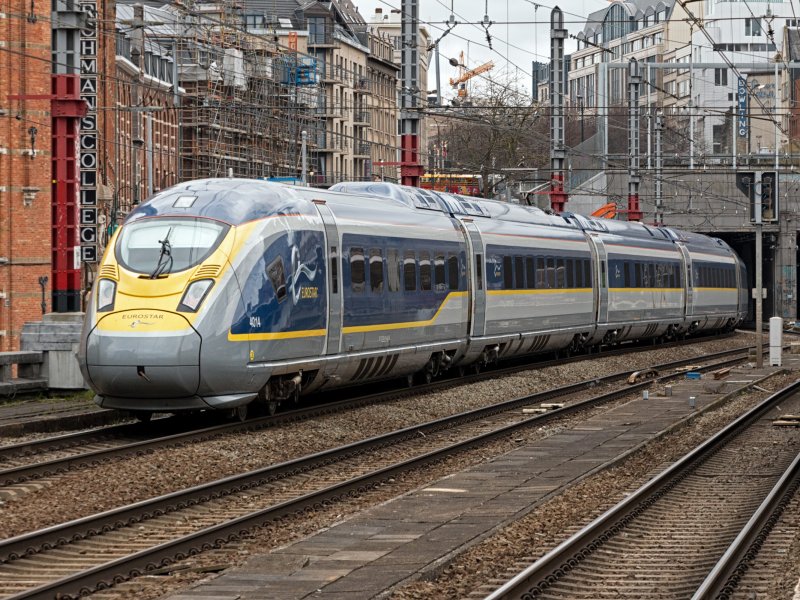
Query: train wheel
column 241, row 412
column 268, row 401
column 143, row 416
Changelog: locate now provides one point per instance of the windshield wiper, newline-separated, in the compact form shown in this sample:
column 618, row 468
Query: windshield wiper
column 164, row 265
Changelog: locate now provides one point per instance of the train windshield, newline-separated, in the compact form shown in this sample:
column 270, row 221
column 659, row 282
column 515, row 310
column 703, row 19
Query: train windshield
column 140, row 247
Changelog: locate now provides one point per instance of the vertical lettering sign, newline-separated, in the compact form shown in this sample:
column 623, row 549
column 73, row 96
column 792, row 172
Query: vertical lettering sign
column 88, row 135
column 741, row 96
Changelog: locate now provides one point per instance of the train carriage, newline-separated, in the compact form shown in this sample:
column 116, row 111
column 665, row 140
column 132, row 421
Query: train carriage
column 220, row 292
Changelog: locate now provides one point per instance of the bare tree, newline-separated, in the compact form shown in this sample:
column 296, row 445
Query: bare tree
column 497, row 127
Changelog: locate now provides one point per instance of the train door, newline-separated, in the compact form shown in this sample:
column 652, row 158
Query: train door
column 688, row 294
column 334, row 278
column 601, row 289
column 477, row 279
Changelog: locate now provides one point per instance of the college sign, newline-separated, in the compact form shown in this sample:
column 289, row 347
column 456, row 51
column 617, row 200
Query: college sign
column 88, row 135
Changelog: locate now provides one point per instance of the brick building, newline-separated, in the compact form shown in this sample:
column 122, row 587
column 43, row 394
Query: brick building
column 25, row 133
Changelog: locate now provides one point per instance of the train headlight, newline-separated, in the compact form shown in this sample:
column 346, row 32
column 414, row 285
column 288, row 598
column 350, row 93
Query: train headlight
column 195, row 294
column 106, row 291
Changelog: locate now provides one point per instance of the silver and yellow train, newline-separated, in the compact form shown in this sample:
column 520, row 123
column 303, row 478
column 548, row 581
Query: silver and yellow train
column 219, row 293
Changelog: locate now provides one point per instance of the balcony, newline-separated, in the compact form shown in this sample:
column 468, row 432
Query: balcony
column 361, row 149
column 328, row 143
column 361, row 117
column 361, row 85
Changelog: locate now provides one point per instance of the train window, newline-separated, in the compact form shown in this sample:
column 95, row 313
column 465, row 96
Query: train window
column 357, row 272
column 479, row 270
column 551, row 272
column 410, row 270
column 561, row 278
column 393, row 269
column 530, row 273
column 452, row 270
column 334, row 271
column 587, row 272
column 651, row 268
column 440, row 285
column 570, row 283
column 376, row 270
column 579, row 273
column 519, row 272
column 541, row 273
column 425, row 271
column 277, row 276
column 626, row 274
column 508, row 274
column 639, row 277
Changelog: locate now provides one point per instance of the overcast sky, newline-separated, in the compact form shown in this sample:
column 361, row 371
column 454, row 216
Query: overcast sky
column 520, row 33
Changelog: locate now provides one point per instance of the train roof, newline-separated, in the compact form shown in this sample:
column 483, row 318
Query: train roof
column 238, row 201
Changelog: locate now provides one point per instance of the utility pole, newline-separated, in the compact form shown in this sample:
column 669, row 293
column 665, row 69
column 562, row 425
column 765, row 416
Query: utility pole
column 759, row 273
column 137, row 52
column 410, row 169
column 635, row 80
column 659, row 164
column 558, row 155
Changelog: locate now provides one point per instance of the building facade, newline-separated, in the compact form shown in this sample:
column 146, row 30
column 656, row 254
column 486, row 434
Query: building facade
column 381, row 117
column 25, row 156
column 390, row 24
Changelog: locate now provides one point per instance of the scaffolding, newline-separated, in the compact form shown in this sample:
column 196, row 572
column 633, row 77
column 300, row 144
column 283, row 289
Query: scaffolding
column 246, row 98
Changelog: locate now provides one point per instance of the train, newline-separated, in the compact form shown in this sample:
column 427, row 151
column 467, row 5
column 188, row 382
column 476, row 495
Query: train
column 241, row 295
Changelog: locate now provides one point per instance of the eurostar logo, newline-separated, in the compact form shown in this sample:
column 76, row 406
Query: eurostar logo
column 138, row 322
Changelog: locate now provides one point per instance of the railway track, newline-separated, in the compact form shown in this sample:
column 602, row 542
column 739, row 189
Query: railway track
column 49, row 457
column 668, row 535
column 99, row 550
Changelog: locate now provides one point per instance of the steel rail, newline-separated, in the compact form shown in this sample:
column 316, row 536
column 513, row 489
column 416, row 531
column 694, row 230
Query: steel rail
column 135, row 564
column 722, row 580
column 559, row 561
column 55, row 466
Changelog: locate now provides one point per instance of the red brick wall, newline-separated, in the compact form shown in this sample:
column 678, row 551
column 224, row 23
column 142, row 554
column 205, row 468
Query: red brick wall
column 24, row 223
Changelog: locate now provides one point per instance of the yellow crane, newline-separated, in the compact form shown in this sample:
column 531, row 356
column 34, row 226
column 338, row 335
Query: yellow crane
column 465, row 75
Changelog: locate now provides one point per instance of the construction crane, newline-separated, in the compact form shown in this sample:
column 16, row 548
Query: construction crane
column 465, row 75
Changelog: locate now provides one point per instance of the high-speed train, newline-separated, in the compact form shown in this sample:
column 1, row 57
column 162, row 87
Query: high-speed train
column 224, row 293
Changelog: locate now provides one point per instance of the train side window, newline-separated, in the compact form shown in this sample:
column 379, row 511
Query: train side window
column 551, row 272
column 587, row 272
column 530, row 273
column 479, row 270
column 452, row 270
column 393, row 269
column 651, row 268
column 561, row 279
column 541, row 273
column 357, row 272
column 410, row 271
column 425, row 271
column 440, row 285
column 334, row 271
column 376, row 270
column 508, row 273
column 570, row 273
column 626, row 274
column 519, row 272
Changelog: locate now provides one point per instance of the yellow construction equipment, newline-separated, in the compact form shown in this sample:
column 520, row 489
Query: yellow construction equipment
column 465, row 75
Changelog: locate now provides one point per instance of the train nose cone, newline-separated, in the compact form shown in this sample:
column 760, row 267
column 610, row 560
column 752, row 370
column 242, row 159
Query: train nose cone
column 143, row 354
